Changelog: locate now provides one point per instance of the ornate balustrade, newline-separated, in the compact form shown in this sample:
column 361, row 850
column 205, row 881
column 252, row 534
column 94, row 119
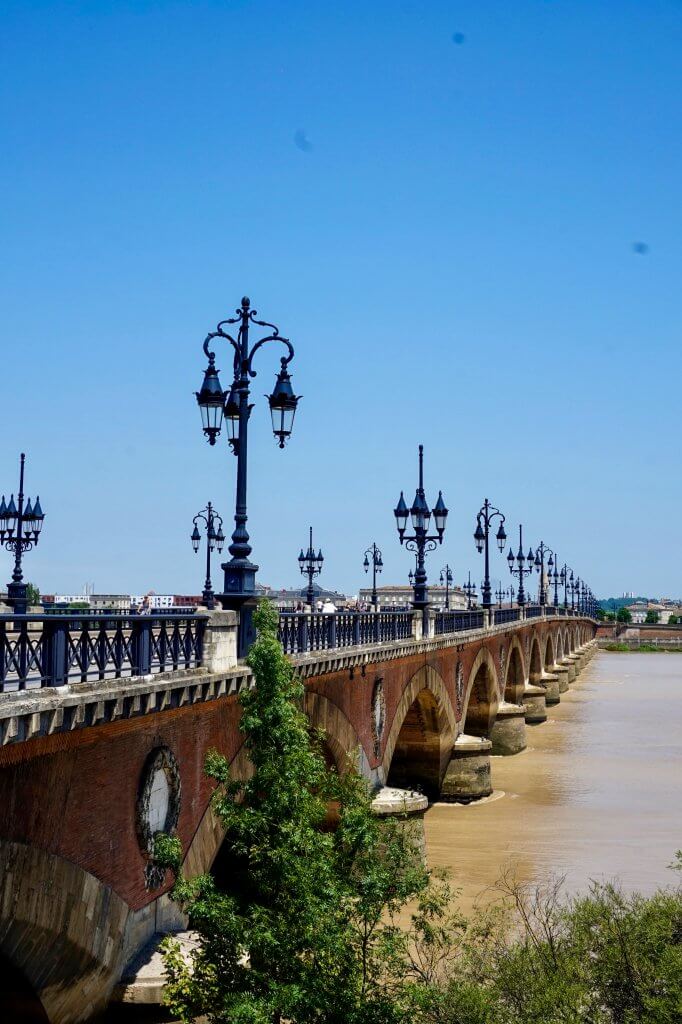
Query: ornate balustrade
column 300, row 632
column 506, row 615
column 533, row 611
column 455, row 622
column 53, row 650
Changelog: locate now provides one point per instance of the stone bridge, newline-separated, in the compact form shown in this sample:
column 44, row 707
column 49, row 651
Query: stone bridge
column 89, row 770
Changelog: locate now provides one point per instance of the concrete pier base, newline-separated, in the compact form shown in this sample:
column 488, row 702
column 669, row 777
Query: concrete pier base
column 508, row 734
column 407, row 804
column 535, row 705
column 467, row 777
column 550, row 682
column 573, row 668
column 561, row 672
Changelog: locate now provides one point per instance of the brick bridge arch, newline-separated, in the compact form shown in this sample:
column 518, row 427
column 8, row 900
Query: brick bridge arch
column 549, row 659
column 535, row 660
column 58, row 921
column 424, row 727
column 482, row 695
column 515, row 676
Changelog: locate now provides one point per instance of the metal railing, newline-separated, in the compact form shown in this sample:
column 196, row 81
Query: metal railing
column 455, row 622
column 53, row 650
column 301, row 632
column 533, row 611
column 506, row 615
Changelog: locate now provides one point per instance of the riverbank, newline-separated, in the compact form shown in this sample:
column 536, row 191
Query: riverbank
column 634, row 647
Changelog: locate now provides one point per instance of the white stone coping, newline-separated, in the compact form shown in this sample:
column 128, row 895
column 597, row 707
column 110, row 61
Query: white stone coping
column 390, row 800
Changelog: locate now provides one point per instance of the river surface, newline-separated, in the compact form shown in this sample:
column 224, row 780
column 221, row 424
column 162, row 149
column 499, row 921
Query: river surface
column 597, row 793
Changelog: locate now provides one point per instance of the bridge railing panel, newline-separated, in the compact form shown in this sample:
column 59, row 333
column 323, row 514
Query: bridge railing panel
column 506, row 615
column 52, row 650
column 300, row 632
column 533, row 611
column 455, row 622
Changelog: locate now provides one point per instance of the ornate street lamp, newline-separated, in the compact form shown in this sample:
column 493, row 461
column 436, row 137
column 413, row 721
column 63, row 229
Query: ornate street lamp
column 310, row 565
column 555, row 577
column 484, row 520
column 20, row 527
column 521, row 565
column 470, row 589
column 373, row 558
column 233, row 405
column 574, row 585
column 446, row 577
column 421, row 540
column 565, row 581
column 501, row 593
column 540, row 552
column 215, row 538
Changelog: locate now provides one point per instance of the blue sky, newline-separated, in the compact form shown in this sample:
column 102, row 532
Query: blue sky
column 444, row 229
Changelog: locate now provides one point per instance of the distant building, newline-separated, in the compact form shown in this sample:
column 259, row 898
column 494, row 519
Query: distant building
column 289, row 600
column 400, row 596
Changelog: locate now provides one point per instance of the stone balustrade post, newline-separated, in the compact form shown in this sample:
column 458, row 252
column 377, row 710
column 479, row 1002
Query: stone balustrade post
column 487, row 618
column 220, row 641
column 417, row 624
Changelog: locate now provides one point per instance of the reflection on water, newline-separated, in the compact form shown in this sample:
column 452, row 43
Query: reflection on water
column 597, row 794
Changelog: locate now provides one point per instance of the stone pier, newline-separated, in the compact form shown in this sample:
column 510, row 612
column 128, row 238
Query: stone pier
column 467, row 776
column 508, row 734
column 535, row 704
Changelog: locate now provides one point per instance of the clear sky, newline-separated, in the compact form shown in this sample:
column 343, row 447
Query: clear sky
column 465, row 215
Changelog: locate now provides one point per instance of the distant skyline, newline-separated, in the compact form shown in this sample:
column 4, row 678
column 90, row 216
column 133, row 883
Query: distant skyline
column 465, row 216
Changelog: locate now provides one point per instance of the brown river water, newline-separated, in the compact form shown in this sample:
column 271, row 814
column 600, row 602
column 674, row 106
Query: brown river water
column 597, row 793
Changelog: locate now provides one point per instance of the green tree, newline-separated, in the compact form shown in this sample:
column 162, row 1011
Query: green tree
column 601, row 614
column 673, row 620
column 305, row 933
column 32, row 594
column 623, row 615
column 651, row 616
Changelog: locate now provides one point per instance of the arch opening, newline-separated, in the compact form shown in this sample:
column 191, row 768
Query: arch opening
column 535, row 671
column 483, row 702
column 549, row 651
column 559, row 647
column 514, row 684
column 18, row 1001
column 422, row 748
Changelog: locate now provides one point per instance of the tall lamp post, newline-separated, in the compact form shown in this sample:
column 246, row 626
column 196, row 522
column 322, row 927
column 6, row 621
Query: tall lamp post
column 521, row 565
column 484, row 521
column 20, row 528
column 215, row 538
column 421, row 540
column 446, row 577
column 470, row 589
column 373, row 558
column 233, row 405
column 556, row 578
column 575, row 593
column 540, row 552
column 310, row 565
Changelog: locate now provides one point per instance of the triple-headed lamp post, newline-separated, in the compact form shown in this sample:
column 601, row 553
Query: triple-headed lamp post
column 215, row 538
column 233, row 406
column 447, row 578
column 540, row 552
column 484, row 521
column 373, row 558
column 521, row 565
column 470, row 589
column 421, row 540
column 20, row 527
column 310, row 565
